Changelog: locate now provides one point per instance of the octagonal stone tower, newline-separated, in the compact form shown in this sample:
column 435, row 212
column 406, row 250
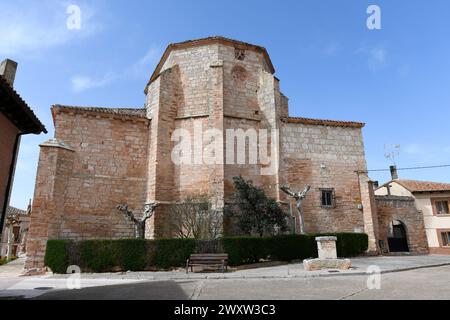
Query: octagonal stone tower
column 219, row 84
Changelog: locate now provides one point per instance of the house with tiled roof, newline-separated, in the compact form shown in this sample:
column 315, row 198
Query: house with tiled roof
column 19, row 231
column 16, row 119
column 432, row 200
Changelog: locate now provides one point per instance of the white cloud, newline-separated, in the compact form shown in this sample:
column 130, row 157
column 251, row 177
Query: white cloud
column 81, row 83
column 331, row 49
column 413, row 149
column 142, row 68
column 30, row 26
column 376, row 57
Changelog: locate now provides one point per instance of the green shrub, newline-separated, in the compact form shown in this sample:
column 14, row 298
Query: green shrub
column 166, row 253
column 292, row 247
column 349, row 244
column 129, row 254
column 139, row 254
column 242, row 250
column 56, row 255
column 96, row 255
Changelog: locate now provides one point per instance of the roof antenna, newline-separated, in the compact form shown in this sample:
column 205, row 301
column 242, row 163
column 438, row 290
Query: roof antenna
column 391, row 151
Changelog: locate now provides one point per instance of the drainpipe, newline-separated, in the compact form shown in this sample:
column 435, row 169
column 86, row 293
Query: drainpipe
column 12, row 170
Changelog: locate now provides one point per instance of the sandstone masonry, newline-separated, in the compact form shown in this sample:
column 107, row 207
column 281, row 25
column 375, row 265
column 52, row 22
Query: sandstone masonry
column 102, row 157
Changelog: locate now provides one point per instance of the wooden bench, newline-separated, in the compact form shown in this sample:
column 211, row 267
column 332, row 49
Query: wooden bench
column 208, row 260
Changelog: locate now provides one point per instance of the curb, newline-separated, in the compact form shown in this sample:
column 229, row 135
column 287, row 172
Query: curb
column 288, row 276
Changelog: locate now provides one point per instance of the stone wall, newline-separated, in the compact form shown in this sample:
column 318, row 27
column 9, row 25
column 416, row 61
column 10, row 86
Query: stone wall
column 324, row 157
column 102, row 159
column 391, row 208
column 96, row 162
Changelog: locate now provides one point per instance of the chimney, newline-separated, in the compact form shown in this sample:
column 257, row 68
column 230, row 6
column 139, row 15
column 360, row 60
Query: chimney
column 8, row 70
column 394, row 174
column 376, row 184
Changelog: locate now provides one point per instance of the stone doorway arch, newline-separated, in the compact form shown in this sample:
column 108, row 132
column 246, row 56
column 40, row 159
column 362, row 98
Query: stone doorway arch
column 397, row 237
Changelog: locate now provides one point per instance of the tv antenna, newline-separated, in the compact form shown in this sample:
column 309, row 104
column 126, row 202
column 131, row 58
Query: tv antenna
column 391, row 151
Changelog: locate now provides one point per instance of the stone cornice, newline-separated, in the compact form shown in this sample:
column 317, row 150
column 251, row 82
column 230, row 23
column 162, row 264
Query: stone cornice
column 124, row 114
column 323, row 122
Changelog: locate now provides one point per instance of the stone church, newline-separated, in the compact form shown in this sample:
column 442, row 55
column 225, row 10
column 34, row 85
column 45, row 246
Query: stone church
column 102, row 157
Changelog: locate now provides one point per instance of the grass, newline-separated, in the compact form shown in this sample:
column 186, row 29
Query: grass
column 5, row 260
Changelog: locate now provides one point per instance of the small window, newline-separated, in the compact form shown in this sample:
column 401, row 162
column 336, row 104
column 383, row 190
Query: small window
column 239, row 54
column 327, row 198
column 442, row 207
column 445, row 239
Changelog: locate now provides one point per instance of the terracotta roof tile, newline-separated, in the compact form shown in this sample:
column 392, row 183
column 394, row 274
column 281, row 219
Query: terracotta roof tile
column 423, row 186
column 19, row 111
column 13, row 210
column 323, row 122
column 131, row 112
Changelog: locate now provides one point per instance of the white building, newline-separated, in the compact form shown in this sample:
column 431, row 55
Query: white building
column 432, row 199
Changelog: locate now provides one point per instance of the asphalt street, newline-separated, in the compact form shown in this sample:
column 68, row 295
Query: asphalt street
column 428, row 283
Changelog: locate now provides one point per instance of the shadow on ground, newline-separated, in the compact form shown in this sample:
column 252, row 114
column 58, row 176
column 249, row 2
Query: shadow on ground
column 161, row 290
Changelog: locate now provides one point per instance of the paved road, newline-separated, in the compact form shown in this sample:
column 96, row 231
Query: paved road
column 429, row 283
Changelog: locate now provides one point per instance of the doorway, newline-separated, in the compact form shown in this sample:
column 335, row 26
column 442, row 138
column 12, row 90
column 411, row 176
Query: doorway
column 397, row 237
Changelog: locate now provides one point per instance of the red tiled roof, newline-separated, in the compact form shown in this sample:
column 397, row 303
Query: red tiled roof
column 130, row 112
column 13, row 210
column 423, row 186
column 17, row 110
column 323, row 122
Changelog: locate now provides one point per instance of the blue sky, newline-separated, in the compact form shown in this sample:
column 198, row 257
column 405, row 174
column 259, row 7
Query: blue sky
column 330, row 64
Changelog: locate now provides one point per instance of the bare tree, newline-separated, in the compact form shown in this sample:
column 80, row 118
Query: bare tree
column 139, row 224
column 298, row 196
column 194, row 218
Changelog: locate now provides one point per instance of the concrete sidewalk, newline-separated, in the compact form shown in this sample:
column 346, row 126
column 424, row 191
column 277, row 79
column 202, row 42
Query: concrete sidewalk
column 14, row 268
column 360, row 265
column 11, row 285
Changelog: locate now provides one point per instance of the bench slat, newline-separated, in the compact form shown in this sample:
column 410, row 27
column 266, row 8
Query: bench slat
column 208, row 260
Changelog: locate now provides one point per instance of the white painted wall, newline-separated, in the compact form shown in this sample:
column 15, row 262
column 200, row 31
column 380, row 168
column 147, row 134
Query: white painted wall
column 432, row 222
column 396, row 190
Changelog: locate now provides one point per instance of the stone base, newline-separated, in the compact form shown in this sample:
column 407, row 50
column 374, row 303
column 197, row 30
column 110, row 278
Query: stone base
column 319, row 264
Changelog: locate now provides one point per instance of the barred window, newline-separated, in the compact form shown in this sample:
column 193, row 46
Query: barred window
column 327, row 198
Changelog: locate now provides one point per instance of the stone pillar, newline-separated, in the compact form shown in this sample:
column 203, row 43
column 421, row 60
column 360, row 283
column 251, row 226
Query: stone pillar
column 369, row 211
column 54, row 169
column 164, row 96
column 326, row 247
column 8, row 70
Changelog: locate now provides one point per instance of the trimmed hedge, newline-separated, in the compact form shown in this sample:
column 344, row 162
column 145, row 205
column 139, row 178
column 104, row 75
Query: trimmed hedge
column 139, row 254
column 57, row 255
column 166, row 253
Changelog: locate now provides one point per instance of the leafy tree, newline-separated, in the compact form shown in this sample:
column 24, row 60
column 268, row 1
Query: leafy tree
column 255, row 213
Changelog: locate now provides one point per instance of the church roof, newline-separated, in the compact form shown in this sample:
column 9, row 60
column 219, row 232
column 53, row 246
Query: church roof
column 323, row 122
column 127, row 112
column 206, row 41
